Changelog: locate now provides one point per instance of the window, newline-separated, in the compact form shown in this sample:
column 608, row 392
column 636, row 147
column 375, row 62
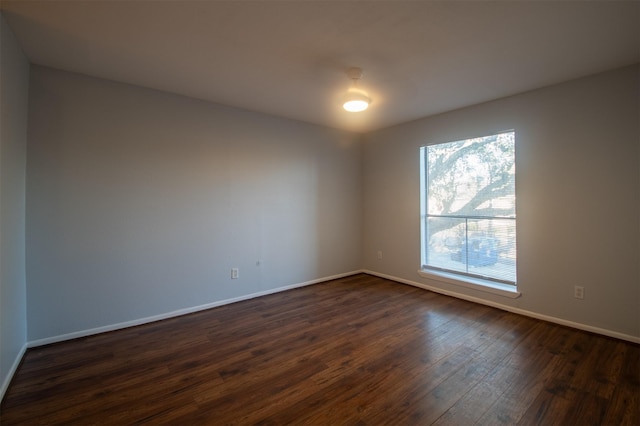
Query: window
column 468, row 209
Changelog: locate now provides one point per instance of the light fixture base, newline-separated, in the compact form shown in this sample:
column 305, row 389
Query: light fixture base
column 354, row 73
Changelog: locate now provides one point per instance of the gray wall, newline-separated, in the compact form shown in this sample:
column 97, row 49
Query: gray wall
column 578, row 197
column 140, row 202
column 14, row 86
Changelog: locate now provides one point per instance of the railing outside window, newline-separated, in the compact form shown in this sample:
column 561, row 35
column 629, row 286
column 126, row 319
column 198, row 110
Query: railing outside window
column 477, row 246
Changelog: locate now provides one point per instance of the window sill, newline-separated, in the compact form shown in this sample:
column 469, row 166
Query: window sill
column 487, row 286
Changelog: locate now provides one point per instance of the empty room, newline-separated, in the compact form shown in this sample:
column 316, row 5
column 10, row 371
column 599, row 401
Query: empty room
column 319, row 212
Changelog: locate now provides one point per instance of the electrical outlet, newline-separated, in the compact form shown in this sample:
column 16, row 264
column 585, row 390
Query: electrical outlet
column 578, row 292
column 234, row 273
column 379, row 254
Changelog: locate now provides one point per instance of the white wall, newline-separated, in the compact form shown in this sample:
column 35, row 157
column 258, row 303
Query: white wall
column 14, row 86
column 140, row 202
column 577, row 188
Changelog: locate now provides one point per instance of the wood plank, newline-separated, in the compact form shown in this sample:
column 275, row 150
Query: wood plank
column 359, row 350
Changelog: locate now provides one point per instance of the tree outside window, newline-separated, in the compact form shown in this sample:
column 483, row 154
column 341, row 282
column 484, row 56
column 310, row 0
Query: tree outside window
column 469, row 215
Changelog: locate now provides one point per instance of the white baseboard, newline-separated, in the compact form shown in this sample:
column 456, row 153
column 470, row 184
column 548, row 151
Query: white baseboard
column 179, row 312
column 12, row 371
column 560, row 321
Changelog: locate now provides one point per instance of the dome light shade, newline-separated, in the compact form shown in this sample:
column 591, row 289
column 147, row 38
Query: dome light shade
column 354, row 101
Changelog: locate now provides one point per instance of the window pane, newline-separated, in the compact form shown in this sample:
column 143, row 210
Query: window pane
column 474, row 177
column 469, row 225
column 492, row 248
column 445, row 236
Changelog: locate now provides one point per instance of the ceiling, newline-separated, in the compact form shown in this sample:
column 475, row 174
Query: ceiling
column 289, row 58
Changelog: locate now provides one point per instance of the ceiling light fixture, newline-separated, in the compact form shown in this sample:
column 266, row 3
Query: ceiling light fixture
column 355, row 100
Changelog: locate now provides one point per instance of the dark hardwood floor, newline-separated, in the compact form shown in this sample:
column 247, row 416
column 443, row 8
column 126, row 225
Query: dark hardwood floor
column 359, row 351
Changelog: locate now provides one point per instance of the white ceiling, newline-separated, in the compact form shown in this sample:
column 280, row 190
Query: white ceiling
column 288, row 58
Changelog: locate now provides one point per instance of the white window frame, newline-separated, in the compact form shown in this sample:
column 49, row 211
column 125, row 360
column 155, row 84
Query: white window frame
column 451, row 277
